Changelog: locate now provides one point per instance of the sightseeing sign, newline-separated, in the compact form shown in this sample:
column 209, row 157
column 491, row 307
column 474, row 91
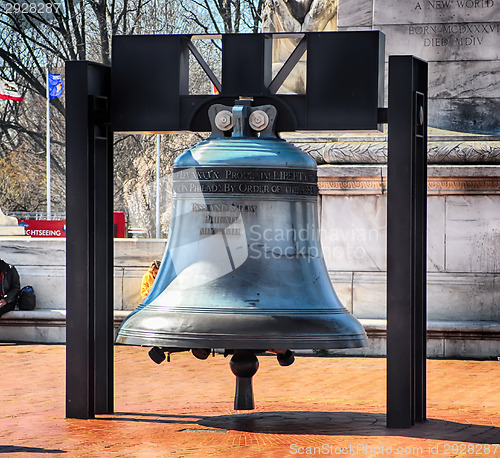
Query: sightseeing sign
column 43, row 228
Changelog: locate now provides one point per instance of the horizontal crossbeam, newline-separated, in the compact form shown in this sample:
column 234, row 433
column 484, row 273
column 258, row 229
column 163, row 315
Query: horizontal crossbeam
column 343, row 89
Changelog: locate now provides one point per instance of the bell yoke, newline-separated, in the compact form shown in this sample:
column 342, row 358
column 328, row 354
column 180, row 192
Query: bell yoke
column 243, row 270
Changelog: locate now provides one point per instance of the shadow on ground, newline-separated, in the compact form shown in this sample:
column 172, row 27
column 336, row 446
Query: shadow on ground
column 321, row 423
column 19, row 449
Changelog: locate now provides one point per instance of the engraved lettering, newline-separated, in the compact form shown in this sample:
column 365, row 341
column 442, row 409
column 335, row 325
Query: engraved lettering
column 454, row 35
column 469, row 41
column 214, row 208
column 241, row 180
column 453, row 29
column 436, row 41
column 220, row 230
column 244, row 208
column 221, row 208
column 475, row 3
column 439, row 4
column 220, row 219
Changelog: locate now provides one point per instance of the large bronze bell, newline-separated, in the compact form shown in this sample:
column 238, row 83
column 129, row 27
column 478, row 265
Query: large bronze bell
column 243, row 269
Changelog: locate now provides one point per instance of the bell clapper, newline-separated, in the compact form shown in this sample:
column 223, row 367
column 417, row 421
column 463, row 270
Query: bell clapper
column 244, row 365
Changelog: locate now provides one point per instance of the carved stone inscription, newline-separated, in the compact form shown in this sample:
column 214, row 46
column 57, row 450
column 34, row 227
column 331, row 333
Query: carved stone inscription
column 436, row 11
column 242, row 180
column 453, row 42
column 461, row 41
column 454, row 34
column 441, row 29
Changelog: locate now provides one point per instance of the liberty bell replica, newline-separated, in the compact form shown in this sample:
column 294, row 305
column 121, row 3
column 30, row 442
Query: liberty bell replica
column 243, row 272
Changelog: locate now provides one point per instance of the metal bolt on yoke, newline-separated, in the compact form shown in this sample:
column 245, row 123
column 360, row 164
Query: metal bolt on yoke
column 258, row 120
column 224, row 120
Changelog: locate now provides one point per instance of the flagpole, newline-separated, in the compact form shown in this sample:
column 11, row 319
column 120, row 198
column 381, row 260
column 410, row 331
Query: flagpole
column 158, row 231
column 49, row 214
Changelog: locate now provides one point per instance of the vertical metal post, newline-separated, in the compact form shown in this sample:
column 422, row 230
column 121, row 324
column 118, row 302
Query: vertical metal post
column 406, row 242
column 158, row 158
column 104, row 266
column 89, row 243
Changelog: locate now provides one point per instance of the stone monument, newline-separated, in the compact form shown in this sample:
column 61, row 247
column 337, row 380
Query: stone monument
column 296, row 16
column 299, row 15
column 9, row 227
column 461, row 41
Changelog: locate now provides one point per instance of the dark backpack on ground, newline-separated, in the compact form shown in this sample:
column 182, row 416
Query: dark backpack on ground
column 26, row 300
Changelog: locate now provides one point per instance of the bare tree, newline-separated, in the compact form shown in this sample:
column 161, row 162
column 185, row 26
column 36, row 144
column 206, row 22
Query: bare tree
column 20, row 179
column 45, row 35
column 54, row 31
column 135, row 191
column 225, row 16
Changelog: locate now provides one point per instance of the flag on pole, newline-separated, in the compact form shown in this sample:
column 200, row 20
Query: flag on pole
column 9, row 91
column 55, row 86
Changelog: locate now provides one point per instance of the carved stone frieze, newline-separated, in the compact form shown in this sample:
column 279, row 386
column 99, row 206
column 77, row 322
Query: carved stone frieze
column 453, row 185
column 352, row 185
column 375, row 152
column 463, row 185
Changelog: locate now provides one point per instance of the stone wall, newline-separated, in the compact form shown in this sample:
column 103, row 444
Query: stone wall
column 463, row 240
column 463, row 266
column 42, row 264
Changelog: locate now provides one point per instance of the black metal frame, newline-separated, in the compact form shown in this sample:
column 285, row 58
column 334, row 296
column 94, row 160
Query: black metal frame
column 345, row 74
column 406, row 241
column 89, row 242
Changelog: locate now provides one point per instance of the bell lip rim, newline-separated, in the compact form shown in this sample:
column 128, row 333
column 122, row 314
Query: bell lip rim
column 357, row 341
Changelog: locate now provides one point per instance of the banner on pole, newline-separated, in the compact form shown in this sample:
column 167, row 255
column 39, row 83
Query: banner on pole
column 9, row 91
column 55, row 86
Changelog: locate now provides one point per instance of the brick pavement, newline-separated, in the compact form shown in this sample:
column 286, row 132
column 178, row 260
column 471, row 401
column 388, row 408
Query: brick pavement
column 316, row 407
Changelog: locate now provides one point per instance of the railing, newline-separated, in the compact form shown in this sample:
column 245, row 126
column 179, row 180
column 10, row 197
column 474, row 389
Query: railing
column 37, row 215
column 138, row 232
